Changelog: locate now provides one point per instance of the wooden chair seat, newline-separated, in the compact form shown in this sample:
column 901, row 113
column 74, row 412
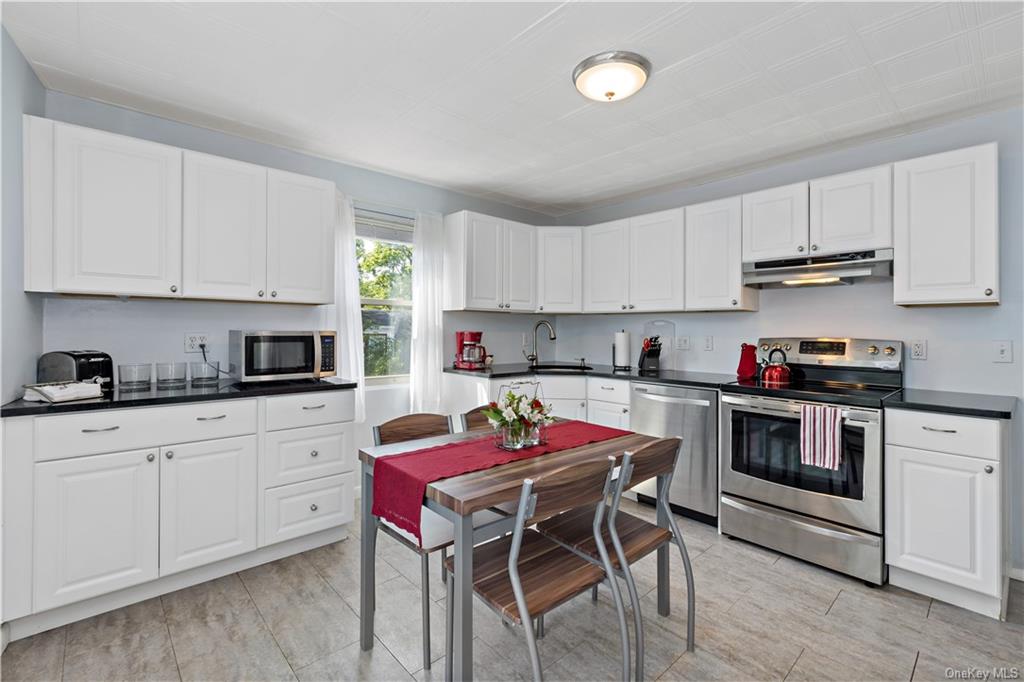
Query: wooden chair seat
column 575, row 529
column 551, row 574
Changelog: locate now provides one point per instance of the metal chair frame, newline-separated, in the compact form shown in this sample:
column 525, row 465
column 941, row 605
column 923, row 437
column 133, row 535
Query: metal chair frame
column 527, row 505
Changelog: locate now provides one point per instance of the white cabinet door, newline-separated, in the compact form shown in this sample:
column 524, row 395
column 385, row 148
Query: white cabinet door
column 775, row 223
column 208, row 502
column 614, row 415
column 714, row 267
column 559, row 269
column 946, row 228
column 96, row 525
column 656, row 261
column 485, row 260
column 851, row 212
column 942, row 517
column 300, row 238
column 606, row 267
column 567, row 408
column 117, row 214
column 225, row 229
column 520, row 271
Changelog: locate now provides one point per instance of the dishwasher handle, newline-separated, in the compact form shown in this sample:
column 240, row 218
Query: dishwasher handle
column 669, row 399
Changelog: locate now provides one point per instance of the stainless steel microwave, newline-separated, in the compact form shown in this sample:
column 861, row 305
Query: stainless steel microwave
column 276, row 356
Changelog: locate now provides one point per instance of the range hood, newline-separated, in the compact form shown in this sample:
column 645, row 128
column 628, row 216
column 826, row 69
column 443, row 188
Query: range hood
column 843, row 268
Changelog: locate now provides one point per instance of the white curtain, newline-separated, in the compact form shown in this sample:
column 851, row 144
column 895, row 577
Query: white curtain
column 345, row 315
column 427, row 277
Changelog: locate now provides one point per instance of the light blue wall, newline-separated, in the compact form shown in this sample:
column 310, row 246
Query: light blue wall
column 21, row 314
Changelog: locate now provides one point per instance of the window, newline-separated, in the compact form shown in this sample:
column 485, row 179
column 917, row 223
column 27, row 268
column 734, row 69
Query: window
column 384, row 255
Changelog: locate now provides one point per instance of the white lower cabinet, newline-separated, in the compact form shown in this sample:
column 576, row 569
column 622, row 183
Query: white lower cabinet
column 566, row 408
column 303, row 508
column 295, row 455
column 615, row 415
column 208, row 502
column 96, row 525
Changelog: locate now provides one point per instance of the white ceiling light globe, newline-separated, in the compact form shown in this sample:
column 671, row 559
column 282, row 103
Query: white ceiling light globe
column 611, row 76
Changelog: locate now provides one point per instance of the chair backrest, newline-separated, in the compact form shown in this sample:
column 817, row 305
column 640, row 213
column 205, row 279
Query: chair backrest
column 573, row 486
column 654, row 459
column 474, row 420
column 411, row 427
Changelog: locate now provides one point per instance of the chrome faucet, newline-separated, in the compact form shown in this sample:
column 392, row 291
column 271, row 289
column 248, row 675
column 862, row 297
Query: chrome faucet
column 532, row 357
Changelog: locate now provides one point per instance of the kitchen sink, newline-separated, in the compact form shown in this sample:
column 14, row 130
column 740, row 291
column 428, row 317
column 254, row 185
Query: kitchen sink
column 558, row 367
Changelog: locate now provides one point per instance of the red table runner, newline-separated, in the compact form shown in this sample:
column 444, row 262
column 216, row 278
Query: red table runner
column 400, row 481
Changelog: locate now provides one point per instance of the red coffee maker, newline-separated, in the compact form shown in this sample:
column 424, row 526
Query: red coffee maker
column 469, row 352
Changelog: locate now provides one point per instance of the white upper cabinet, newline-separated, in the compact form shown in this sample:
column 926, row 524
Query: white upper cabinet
column 96, row 525
column 208, row 502
column 116, row 214
column 520, row 267
column 300, row 238
column 559, row 269
column 225, row 229
column 775, row 223
column 489, row 263
column 656, row 262
column 714, row 273
column 946, row 228
column 606, row 267
column 851, row 212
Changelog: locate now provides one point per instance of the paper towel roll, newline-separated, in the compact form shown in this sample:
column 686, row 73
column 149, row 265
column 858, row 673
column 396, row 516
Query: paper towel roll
column 622, row 357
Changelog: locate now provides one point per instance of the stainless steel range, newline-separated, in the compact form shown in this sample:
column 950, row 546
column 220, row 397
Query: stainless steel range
column 829, row 517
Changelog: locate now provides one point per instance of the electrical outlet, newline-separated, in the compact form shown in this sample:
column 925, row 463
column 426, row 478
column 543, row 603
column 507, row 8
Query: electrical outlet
column 682, row 343
column 709, row 343
column 919, row 350
column 1002, row 351
column 194, row 339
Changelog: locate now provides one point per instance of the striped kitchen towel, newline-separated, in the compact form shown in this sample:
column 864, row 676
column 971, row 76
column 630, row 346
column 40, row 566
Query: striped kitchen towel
column 820, row 432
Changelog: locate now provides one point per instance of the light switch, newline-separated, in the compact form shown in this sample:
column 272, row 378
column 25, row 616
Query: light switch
column 709, row 343
column 1002, row 351
column 682, row 343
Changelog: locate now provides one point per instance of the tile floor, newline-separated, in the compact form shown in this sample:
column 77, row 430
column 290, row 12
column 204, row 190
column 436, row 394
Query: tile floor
column 760, row 616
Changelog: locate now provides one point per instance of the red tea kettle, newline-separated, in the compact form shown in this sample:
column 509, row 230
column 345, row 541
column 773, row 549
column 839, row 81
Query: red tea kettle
column 747, row 369
column 775, row 374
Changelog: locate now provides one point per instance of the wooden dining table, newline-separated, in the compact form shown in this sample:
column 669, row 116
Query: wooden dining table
column 456, row 499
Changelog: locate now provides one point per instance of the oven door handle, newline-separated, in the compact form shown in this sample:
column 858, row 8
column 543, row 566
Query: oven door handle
column 677, row 401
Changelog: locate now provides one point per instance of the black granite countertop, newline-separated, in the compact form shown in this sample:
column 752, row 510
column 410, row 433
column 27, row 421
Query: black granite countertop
column 950, row 402
column 228, row 389
column 665, row 376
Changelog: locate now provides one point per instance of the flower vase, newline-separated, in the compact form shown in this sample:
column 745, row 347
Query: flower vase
column 533, row 436
column 512, row 438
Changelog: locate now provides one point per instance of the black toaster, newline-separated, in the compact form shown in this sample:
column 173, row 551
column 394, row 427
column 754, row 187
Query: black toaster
column 76, row 365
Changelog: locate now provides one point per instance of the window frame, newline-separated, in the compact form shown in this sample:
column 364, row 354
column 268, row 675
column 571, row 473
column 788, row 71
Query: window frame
column 384, row 379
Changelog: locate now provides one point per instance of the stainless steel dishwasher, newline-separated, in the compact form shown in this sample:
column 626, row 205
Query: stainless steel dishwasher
column 692, row 415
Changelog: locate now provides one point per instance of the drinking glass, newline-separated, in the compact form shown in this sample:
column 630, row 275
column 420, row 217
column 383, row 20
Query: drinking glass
column 135, row 376
column 170, row 375
column 205, row 373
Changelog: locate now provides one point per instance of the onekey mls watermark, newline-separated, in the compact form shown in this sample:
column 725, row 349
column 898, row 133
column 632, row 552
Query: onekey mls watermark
column 976, row 673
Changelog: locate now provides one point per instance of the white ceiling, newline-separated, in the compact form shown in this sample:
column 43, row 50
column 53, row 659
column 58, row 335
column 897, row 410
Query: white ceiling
column 477, row 96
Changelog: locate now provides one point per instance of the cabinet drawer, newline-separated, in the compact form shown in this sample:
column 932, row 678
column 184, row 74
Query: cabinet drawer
column 90, row 433
column 296, row 455
column 567, row 388
column 608, row 390
column 968, row 436
column 303, row 508
column 310, row 409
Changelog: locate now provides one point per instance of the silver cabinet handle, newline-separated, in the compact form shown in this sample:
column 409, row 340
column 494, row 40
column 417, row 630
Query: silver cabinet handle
column 935, row 430
column 540, row 307
column 989, row 469
column 583, row 403
column 735, row 302
column 174, row 288
column 211, row 419
column 631, row 306
column 150, row 457
column 109, row 428
column 623, row 306
column 313, row 507
column 988, row 292
column 313, row 453
column 260, row 293
column 800, row 249
column 314, row 407
column 273, row 294
column 169, row 454
column 814, row 247
column 625, row 410
column 607, row 388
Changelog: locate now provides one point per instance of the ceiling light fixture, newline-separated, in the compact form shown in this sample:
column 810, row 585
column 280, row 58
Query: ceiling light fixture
column 611, row 76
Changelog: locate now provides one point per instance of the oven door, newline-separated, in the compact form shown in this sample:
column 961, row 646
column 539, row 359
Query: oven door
column 275, row 356
column 760, row 460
